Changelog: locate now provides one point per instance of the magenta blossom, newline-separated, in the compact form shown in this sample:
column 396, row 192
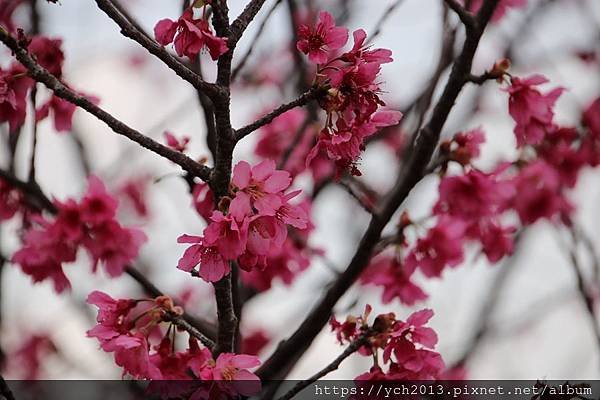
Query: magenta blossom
column 318, row 42
column 190, row 36
column 531, row 110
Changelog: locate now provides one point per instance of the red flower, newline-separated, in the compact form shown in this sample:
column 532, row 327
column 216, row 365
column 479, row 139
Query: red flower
column 14, row 86
column 10, row 201
column 531, row 110
column 190, row 36
column 442, row 247
column 387, row 272
column 177, row 144
column 320, row 41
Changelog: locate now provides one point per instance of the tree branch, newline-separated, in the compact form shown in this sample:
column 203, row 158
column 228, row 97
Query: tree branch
column 289, row 351
column 311, row 94
column 41, row 75
column 129, row 30
column 243, row 20
column 335, row 364
column 465, row 16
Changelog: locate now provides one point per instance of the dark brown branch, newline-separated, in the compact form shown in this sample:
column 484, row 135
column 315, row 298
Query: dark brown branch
column 41, row 75
column 289, row 351
column 225, row 144
column 335, row 364
column 182, row 322
column 483, row 78
column 130, row 31
column 465, row 16
column 228, row 320
column 243, row 20
column 363, row 195
column 311, row 94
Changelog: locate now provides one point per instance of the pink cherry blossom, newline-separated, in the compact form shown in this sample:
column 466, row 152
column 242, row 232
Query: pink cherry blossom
column 190, row 36
column 468, row 145
column 531, row 110
column 213, row 266
column 386, row 271
column 363, row 52
column 473, row 196
column 415, row 326
column 175, row 143
column 48, row 53
column 61, row 109
column 319, row 41
column 496, row 240
column 26, row 360
column 110, row 311
column 203, row 200
column 265, row 186
column 539, row 193
column 10, row 200
column 97, row 205
column 14, row 86
column 255, row 342
column 134, row 190
column 442, row 247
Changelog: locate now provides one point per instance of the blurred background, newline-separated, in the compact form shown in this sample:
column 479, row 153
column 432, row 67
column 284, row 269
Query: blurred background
column 520, row 319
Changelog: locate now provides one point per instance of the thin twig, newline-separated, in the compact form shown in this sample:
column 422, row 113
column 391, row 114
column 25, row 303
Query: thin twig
column 465, row 16
column 335, row 364
column 311, row 94
column 243, row 20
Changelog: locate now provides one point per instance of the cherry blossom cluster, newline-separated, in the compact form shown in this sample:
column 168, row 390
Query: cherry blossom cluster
column 489, row 208
column 353, row 104
column 407, row 347
column 283, row 262
column 90, row 223
column 191, row 33
column 131, row 330
column 247, row 227
column 15, row 86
